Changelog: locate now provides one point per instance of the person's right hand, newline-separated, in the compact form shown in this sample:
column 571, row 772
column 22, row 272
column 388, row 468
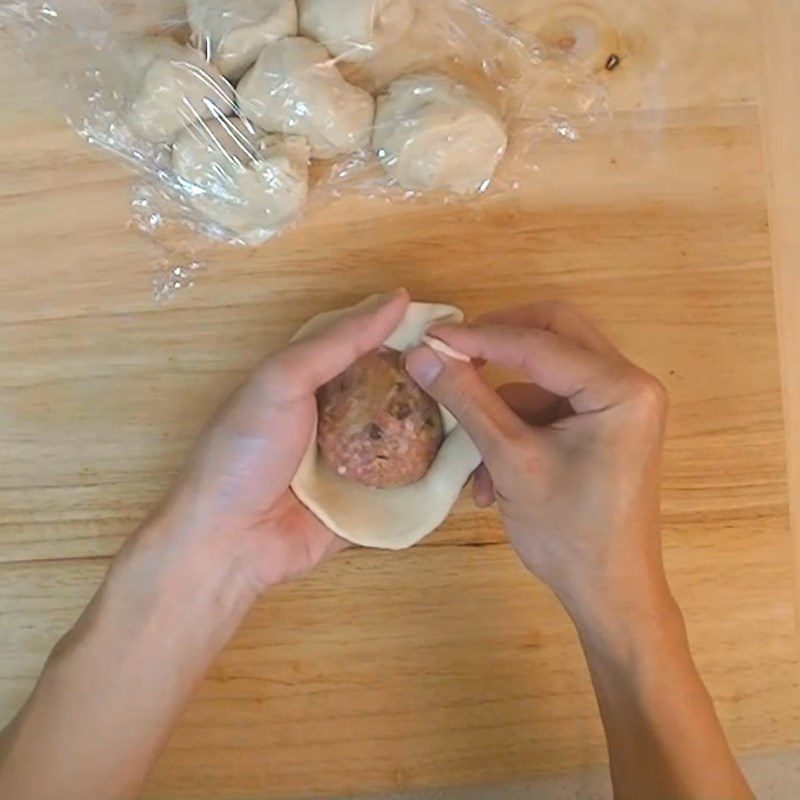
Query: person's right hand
column 573, row 458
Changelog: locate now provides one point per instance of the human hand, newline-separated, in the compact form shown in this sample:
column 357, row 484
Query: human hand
column 181, row 585
column 573, row 458
column 233, row 506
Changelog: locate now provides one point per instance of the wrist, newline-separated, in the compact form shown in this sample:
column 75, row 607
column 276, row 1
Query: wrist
column 129, row 665
column 627, row 623
column 181, row 564
column 164, row 592
column 149, row 632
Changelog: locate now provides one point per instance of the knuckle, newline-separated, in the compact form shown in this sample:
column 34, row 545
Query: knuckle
column 558, row 313
column 453, row 384
column 534, row 337
column 455, row 394
column 650, row 395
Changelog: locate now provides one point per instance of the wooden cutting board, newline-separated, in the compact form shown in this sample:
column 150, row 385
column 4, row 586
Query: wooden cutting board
column 780, row 115
column 446, row 664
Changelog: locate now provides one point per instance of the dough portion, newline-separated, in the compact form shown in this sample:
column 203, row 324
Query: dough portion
column 355, row 30
column 396, row 518
column 233, row 32
column 295, row 88
column 170, row 88
column 433, row 133
column 239, row 176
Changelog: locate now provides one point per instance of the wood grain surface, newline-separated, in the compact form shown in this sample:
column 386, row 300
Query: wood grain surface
column 780, row 29
column 447, row 664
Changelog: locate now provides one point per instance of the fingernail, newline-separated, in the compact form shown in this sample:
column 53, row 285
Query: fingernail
column 424, row 365
column 444, row 349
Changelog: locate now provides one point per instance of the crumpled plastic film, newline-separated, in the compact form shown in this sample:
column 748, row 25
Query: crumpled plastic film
column 240, row 115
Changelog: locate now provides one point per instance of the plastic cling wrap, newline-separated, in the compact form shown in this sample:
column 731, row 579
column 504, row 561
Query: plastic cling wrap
column 241, row 114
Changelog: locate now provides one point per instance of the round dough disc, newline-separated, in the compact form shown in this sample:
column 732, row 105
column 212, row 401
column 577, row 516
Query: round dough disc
column 392, row 519
column 248, row 181
column 433, row 133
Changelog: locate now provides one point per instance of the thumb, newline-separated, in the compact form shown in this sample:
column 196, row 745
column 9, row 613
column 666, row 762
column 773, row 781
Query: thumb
column 462, row 391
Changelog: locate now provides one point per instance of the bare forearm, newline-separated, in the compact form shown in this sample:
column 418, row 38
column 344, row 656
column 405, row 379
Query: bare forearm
column 664, row 738
column 117, row 682
column 230, row 529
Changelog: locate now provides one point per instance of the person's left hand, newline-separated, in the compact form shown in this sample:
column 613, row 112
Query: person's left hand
column 233, row 504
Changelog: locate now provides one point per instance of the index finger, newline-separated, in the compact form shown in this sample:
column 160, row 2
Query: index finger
column 554, row 316
column 310, row 362
column 591, row 381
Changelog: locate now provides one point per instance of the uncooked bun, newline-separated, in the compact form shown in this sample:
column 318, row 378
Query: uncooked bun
column 399, row 517
column 295, row 88
column 357, row 29
column 233, row 32
column 242, row 178
column 433, row 133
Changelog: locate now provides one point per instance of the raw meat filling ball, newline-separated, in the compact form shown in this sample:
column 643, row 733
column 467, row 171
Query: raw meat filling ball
column 376, row 426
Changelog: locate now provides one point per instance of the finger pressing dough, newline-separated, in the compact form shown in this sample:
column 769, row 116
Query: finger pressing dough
column 394, row 518
column 355, row 30
column 433, row 133
column 295, row 88
column 233, row 32
column 248, row 181
column 170, row 87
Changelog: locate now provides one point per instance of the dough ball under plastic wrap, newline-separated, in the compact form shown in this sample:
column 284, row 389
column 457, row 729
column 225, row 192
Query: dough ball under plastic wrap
column 169, row 87
column 233, row 32
column 433, row 133
column 295, row 88
column 241, row 177
column 358, row 29
column 376, row 425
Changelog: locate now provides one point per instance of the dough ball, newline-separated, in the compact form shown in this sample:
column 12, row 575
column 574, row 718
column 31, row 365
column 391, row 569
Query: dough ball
column 433, row 133
column 234, row 32
column 170, row 87
column 244, row 179
column 376, row 426
column 295, row 88
column 357, row 29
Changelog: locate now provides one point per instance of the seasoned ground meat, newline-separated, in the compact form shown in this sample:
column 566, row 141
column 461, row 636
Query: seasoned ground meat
column 376, row 425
